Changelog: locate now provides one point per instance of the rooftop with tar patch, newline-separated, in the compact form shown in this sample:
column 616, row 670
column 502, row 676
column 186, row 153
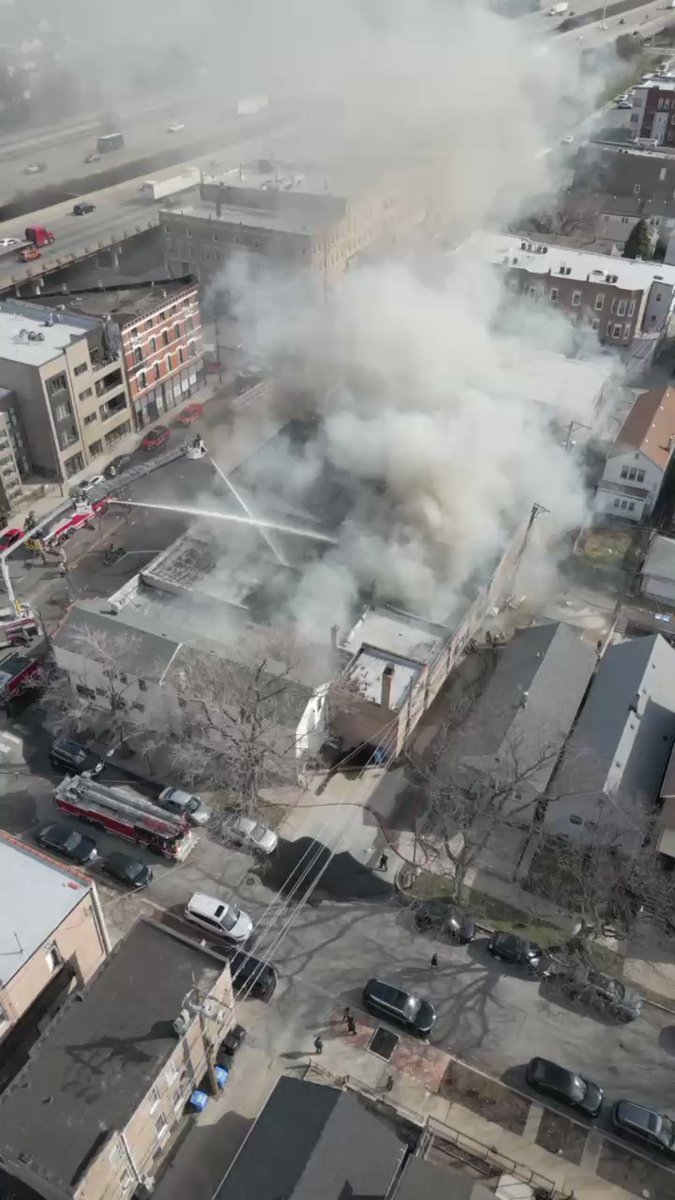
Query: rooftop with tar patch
column 100, row 1056
column 49, row 891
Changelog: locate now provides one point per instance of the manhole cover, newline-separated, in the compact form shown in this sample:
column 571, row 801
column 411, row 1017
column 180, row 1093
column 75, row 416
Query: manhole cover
column 383, row 1043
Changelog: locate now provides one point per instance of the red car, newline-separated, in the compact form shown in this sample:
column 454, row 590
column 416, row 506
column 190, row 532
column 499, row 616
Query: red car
column 29, row 253
column 191, row 413
column 155, row 437
column 9, row 537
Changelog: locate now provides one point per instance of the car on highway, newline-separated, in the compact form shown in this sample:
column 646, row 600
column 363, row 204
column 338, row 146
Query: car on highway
column 191, row 413
column 623, row 104
column 73, row 757
column 251, row 835
column 116, row 465
column 567, row 139
column 29, row 254
column 68, row 842
column 520, row 952
column 155, row 437
column 127, row 870
column 219, row 917
column 9, row 537
column 6, row 243
column 175, row 127
column 446, row 920
column 646, row 1125
column 565, row 1086
column 35, row 168
column 82, row 208
column 92, row 156
column 401, row 1008
column 602, row 993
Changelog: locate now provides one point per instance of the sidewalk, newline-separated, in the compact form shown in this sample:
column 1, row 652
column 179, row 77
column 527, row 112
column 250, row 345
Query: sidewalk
column 416, row 1083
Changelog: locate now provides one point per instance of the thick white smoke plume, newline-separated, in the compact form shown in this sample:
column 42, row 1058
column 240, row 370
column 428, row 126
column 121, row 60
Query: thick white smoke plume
column 432, row 398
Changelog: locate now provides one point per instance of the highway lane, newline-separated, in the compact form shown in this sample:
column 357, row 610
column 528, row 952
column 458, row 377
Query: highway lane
column 123, row 210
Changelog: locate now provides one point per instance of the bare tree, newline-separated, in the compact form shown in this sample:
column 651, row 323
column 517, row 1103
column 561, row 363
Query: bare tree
column 565, row 215
column 466, row 803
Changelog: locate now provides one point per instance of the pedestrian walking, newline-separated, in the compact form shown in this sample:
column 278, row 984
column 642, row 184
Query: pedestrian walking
column 351, row 1024
column 434, row 960
column 318, row 1043
column 346, row 1016
column 384, row 861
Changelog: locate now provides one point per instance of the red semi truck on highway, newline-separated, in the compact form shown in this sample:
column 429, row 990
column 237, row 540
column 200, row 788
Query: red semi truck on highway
column 39, row 236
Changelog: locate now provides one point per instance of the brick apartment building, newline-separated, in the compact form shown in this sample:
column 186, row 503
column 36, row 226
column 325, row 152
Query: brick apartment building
column 53, row 937
column 625, row 171
column 627, row 302
column 295, row 218
column 158, row 328
column 91, row 1113
column 653, row 113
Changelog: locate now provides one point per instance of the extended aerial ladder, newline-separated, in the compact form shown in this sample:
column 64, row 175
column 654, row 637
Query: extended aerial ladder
column 123, row 811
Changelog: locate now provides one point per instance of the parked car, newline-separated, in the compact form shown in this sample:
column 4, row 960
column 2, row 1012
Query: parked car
column 645, row 1125
column 127, row 870
column 155, row 437
column 35, row 168
column 251, row 975
column 603, row 993
column 29, row 254
column 117, row 465
column 82, row 208
column 563, row 1085
column 192, row 412
column 251, row 835
column 9, row 537
column 87, row 485
column 73, row 757
column 446, row 920
column 185, row 804
column 68, row 842
column 520, row 952
column 402, row 1008
column 217, row 916
column 92, row 156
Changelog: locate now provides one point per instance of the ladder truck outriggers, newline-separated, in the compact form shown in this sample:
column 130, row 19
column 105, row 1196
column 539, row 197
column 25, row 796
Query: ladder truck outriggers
column 121, row 811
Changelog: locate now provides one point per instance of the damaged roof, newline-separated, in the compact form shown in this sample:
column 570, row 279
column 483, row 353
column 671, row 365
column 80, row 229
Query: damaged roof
column 649, row 427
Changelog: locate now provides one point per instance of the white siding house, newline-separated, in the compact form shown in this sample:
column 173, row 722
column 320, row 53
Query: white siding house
column 637, row 463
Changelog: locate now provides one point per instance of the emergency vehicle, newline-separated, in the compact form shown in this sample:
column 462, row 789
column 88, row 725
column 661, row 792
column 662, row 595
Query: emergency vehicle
column 121, row 811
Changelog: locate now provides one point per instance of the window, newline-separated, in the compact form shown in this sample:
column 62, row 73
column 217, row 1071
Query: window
column 86, row 394
column 161, row 1126
column 189, row 323
column 154, row 1099
column 621, row 308
column 80, row 368
column 181, row 356
column 640, row 476
column 57, row 383
column 176, row 331
column 624, row 472
column 53, row 959
column 61, row 411
column 626, row 331
column 553, row 295
column 631, row 506
column 141, row 379
column 616, row 331
column 632, row 473
column 138, row 355
column 148, row 323
column 599, row 302
column 90, row 418
column 624, row 504
column 95, row 449
column 617, row 503
column 533, row 293
column 576, row 299
column 165, row 337
column 636, row 189
column 631, row 307
column 658, row 297
column 153, row 344
column 157, row 371
column 595, row 324
column 171, row 1074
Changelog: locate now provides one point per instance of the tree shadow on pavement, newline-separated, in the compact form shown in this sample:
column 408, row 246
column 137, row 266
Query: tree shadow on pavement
column 308, row 868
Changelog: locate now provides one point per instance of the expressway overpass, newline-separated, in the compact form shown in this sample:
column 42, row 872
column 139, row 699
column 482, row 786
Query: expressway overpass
column 121, row 213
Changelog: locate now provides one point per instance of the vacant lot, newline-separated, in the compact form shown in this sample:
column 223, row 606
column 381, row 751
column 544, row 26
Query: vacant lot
column 487, row 1097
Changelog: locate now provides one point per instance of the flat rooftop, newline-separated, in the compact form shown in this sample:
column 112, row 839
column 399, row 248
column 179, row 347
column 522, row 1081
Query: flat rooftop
column 661, row 558
column 48, row 893
column 99, row 1057
column 541, row 258
column 364, row 674
column 397, row 632
column 285, row 219
column 33, row 335
column 123, row 304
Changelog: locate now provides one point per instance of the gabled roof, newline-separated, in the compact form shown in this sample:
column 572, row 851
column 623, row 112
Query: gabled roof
column 311, row 1141
column 649, row 426
column 526, row 711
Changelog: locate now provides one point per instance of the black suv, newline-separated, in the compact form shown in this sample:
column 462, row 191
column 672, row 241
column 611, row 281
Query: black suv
column 82, row 208
column 249, row 974
column 73, row 757
column 511, row 948
column 402, row 1008
column 68, row 842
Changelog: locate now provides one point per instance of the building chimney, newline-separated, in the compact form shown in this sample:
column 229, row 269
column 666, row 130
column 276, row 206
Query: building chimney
column 333, row 638
column 387, row 680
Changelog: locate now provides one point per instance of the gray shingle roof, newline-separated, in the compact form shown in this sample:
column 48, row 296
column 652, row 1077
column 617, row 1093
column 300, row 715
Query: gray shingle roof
column 312, row 1141
column 660, row 561
column 426, row 1181
column 101, row 1054
column 529, row 704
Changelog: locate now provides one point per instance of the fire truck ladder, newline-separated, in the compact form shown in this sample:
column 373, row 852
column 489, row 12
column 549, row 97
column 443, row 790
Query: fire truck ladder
column 140, row 811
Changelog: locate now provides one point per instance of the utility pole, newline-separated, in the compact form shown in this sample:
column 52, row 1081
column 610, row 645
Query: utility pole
column 574, row 425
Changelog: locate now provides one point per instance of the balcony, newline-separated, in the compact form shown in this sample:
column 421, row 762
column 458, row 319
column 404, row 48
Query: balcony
column 111, row 382
column 114, row 406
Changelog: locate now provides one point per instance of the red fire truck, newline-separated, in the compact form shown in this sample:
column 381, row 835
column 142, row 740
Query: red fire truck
column 82, row 516
column 121, row 811
column 18, row 674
